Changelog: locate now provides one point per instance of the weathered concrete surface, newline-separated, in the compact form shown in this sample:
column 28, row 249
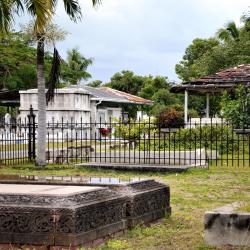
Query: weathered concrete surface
column 196, row 157
column 224, row 226
column 44, row 190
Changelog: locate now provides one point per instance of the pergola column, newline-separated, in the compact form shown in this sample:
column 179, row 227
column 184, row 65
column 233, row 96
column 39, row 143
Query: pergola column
column 186, row 107
column 207, row 106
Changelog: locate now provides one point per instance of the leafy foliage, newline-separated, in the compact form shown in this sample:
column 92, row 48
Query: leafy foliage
column 133, row 130
column 221, row 137
column 171, row 118
column 229, row 33
column 229, row 47
column 149, row 87
column 95, row 84
column 236, row 109
column 18, row 64
column 127, row 81
column 189, row 68
column 75, row 69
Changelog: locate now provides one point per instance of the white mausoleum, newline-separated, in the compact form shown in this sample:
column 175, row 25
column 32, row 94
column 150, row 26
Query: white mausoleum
column 78, row 104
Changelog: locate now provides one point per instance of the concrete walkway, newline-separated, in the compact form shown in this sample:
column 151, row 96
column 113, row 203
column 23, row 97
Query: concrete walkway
column 135, row 167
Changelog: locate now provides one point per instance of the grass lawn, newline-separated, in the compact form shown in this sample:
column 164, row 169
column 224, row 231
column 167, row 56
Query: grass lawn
column 192, row 193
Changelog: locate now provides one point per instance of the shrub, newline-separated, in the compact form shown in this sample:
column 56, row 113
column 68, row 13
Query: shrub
column 134, row 130
column 192, row 113
column 237, row 109
column 170, row 118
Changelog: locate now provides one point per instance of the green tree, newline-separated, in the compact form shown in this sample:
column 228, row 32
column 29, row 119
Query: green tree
column 148, row 87
column 126, row 81
column 157, row 90
column 76, row 67
column 236, row 108
column 230, row 47
column 229, row 33
column 188, row 68
column 17, row 61
column 95, row 83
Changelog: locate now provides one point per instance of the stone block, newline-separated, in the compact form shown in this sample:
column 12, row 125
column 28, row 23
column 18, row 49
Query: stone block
column 227, row 228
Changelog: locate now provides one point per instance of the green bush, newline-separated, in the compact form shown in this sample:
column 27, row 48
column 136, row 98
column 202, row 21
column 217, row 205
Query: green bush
column 170, row 118
column 221, row 138
column 149, row 136
column 134, row 130
column 236, row 109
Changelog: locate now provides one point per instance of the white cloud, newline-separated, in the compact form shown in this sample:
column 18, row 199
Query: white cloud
column 146, row 36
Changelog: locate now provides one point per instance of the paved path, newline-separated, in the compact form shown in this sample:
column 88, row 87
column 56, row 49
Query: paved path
column 135, row 167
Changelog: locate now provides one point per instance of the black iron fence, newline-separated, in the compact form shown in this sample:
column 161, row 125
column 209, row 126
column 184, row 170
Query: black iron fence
column 199, row 143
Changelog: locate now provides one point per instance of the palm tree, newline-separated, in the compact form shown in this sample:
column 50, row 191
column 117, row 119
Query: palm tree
column 229, row 33
column 78, row 65
column 42, row 11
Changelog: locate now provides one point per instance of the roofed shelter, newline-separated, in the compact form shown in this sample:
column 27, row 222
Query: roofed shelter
column 214, row 84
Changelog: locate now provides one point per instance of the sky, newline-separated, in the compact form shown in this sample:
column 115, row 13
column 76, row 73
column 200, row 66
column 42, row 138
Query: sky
column 145, row 36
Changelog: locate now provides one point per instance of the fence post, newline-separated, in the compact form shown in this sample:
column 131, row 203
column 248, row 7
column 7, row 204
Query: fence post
column 31, row 135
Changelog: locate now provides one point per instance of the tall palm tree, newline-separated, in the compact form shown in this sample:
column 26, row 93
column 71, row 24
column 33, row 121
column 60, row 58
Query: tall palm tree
column 78, row 65
column 42, row 12
column 229, row 33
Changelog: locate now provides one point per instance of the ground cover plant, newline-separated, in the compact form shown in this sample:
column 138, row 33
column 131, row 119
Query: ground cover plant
column 192, row 193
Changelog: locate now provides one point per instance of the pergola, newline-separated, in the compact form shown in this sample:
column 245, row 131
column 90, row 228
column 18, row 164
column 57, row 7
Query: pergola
column 215, row 84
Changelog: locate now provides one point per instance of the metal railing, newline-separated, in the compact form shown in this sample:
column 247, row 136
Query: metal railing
column 130, row 142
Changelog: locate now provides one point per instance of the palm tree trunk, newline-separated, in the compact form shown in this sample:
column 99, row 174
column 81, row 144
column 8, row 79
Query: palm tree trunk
column 41, row 137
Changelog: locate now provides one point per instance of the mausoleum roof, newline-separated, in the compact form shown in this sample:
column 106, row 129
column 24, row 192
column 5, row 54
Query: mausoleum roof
column 113, row 95
column 68, row 90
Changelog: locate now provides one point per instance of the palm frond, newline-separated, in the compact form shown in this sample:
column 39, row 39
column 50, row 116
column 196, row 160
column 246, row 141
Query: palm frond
column 5, row 16
column 73, row 9
column 7, row 9
column 234, row 31
column 96, row 2
column 54, row 76
column 229, row 33
column 18, row 5
column 42, row 10
column 223, row 35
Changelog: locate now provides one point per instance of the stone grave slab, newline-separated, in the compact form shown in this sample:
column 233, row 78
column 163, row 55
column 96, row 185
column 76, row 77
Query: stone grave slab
column 58, row 215
column 70, row 212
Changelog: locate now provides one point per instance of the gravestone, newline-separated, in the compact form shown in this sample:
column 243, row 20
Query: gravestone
column 7, row 123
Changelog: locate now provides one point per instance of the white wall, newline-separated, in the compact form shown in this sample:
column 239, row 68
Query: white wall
column 109, row 113
column 71, row 105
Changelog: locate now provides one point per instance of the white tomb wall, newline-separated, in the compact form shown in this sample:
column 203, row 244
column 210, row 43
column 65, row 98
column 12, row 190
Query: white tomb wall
column 69, row 104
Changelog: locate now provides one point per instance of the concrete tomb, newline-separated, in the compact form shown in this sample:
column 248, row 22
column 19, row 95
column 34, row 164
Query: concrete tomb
column 226, row 226
column 56, row 213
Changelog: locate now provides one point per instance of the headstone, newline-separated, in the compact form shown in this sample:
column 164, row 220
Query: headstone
column 7, row 122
